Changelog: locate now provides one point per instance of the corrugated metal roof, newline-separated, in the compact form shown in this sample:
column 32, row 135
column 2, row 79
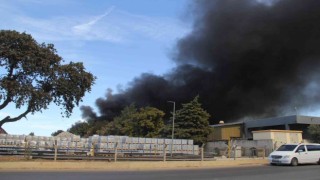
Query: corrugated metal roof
column 226, row 124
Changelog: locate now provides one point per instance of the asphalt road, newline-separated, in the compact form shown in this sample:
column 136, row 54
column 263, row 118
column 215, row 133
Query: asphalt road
column 306, row 172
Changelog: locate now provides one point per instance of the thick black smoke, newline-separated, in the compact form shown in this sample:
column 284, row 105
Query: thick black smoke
column 244, row 58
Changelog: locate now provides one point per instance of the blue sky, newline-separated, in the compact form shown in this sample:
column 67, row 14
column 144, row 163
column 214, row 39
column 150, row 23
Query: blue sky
column 116, row 40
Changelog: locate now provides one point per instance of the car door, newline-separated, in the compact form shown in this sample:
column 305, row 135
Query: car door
column 302, row 154
column 312, row 153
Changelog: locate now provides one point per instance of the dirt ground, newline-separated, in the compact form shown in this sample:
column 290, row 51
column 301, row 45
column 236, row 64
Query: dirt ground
column 21, row 164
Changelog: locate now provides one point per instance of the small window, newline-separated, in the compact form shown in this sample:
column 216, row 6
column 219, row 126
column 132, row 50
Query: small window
column 301, row 149
column 313, row 147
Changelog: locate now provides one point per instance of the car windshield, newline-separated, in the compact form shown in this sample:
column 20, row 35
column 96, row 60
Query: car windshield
column 287, row 148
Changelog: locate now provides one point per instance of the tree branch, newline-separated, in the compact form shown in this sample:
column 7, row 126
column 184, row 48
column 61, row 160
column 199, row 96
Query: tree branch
column 5, row 103
column 9, row 119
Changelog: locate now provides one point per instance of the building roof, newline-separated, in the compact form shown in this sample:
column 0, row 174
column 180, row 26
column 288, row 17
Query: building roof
column 275, row 130
column 275, row 121
column 227, row 124
column 2, row 131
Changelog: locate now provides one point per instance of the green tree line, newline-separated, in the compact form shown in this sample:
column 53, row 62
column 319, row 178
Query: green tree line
column 191, row 122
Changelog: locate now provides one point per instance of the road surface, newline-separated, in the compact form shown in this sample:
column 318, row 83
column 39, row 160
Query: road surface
column 306, row 172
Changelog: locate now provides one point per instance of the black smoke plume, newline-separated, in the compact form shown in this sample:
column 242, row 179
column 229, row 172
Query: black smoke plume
column 243, row 57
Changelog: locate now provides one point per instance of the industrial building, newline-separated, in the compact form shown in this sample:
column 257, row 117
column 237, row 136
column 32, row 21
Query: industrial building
column 244, row 129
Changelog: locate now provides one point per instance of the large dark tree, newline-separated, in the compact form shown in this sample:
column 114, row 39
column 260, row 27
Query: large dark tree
column 192, row 122
column 33, row 76
column 314, row 133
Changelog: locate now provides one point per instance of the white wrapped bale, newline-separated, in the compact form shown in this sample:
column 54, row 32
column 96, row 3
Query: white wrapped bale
column 103, row 139
column 190, row 141
column 75, row 138
column 154, row 140
column 80, row 145
column 168, row 141
column 32, row 144
column 3, row 136
column 142, row 140
column 148, row 140
column 124, row 139
column 72, row 145
column 160, row 141
column 184, row 141
column 135, row 140
column 177, row 141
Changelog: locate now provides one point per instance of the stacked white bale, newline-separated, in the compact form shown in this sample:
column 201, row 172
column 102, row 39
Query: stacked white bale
column 142, row 140
column 3, row 136
column 50, row 144
column 80, row 145
column 32, row 144
column 94, row 139
column 105, row 143
column 160, row 141
column 148, row 140
column 112, row 146
column 41, row 145
column 168, row 141
column 134, row 140
column 154, row 140
column 75, row 138
column 103, row 139
column 196, row 150
column 126, row 146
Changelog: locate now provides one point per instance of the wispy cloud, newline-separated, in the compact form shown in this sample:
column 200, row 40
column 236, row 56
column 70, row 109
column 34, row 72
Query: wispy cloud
column 86, row 27
column 113, row 26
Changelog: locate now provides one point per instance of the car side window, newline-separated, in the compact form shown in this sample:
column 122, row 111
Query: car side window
column 301, row 149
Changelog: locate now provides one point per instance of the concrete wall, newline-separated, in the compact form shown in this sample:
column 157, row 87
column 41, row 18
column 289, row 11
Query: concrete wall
column 248, row 147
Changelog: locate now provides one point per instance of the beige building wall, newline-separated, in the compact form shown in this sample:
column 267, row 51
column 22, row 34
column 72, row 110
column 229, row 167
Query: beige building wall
column 279, row 137
column 226, row 132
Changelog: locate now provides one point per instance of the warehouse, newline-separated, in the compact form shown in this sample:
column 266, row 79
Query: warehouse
column 243, row 129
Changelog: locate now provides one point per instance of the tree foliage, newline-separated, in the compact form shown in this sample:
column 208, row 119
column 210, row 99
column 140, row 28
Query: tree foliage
column 192, row 122
column 314, row 133
column 33, row 76
column 80, row 128
column 143, row 122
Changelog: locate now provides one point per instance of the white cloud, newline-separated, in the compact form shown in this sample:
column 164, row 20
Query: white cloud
column 113, row 26
column 86, row 27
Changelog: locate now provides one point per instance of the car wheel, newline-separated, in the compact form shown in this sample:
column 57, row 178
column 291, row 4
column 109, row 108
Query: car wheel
column 319, row 161
column 273, row 164
column 294, row 162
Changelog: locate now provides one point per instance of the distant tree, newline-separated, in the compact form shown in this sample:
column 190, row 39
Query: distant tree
column 31, row 134
column 80, row 128
column 192, row 122
column 32, row 77
column 143, row 122
column 124, row 123
column 57, row 132
column 314, row 133
column 148, row 122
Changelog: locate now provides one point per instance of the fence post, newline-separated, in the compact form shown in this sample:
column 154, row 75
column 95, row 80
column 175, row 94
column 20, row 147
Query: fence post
column 27, row 153
column 55, row 149
column 202, row 153
column 116, row 152
column 165, row 153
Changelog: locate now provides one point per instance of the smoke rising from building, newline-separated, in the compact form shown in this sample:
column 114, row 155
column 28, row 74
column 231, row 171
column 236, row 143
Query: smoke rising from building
column 243, row 58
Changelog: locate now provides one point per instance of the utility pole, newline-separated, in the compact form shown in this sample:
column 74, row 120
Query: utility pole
column 173, row 115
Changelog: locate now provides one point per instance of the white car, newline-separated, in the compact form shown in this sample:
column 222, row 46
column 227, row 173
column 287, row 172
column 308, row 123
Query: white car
column 294, row 154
